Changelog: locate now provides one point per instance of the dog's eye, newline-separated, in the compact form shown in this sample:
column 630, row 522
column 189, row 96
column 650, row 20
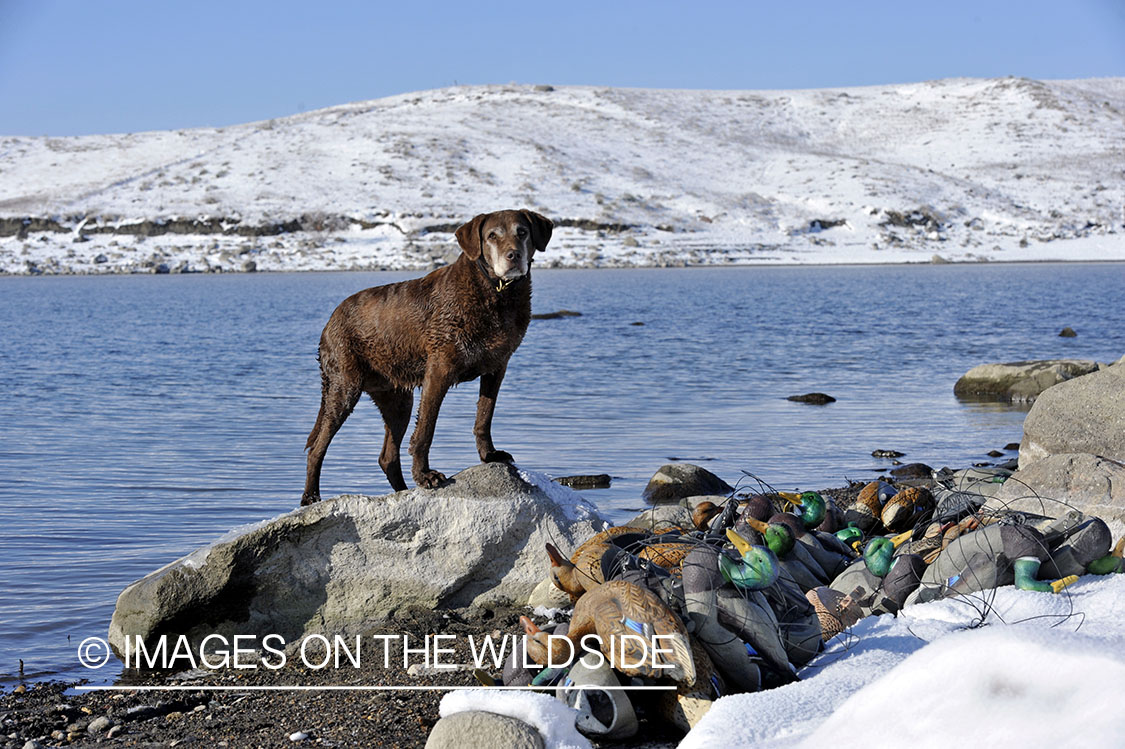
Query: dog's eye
column 521, row 232
column 492, row 235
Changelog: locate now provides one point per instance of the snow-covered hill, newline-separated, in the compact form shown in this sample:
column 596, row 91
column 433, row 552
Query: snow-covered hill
column 964, row 169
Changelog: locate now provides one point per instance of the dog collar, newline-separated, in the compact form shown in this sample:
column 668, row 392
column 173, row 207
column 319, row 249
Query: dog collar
column 503, row 283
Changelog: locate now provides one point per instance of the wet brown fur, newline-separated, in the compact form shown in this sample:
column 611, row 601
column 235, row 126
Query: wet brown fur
column 451, row 326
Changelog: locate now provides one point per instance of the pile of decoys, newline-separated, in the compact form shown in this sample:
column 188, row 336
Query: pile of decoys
column 747, row 593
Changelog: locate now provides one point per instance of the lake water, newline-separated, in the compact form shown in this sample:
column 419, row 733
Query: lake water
column 145, row 416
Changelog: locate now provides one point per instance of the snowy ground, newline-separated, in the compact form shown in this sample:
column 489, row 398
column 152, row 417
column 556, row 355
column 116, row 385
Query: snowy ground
column 1045, row 671
column 963, row 169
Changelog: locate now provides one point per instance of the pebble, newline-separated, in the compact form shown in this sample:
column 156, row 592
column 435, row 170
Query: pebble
column 174, row 715
column 32, row 744
column 97, row 725
column 58, row 735
column 886, row 454
column 298, row 736
column 114, row 732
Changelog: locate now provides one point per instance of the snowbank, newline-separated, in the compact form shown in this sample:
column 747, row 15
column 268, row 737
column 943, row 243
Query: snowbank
column 1045, row 670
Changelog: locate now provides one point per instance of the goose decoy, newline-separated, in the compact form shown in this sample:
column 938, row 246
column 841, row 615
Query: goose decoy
column 758, row 566
column 611, row 611
column 1110, row 563
column 907, row 508
column 812, row 505
column 835, row 611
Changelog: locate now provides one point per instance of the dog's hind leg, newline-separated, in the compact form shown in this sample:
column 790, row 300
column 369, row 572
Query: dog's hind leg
column 336, row 403
column 395, row 406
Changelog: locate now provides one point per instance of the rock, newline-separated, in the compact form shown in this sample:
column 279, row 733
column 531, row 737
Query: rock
column 298, row 736
column 1086, row 415
column 1019, row 382
column 556, row 315
column 100, row 258
column 1091, row 484
column 817, row 399
column 544, row 88
column 637, row 323
column 678, row 480
column 995, row 454
column 249, row 266
column 547, row 595
column 672, row 513
column 114, row 732
column 340, row 565
column 1067, row 332
column 99, row 725
column 593, row 481
column 32, row 744
column 886, row 454
column 912, row 471
column 1012, row 446
column 483, row 729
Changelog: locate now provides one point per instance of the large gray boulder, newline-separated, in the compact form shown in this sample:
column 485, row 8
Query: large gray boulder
column 342, row 564
column 1021, row 381
column 1086, row 415
column 1050, row 486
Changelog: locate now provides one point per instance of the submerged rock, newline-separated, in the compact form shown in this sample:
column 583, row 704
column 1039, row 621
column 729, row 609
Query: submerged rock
column 817, row 399
column 343, row 564
column 1019, row 382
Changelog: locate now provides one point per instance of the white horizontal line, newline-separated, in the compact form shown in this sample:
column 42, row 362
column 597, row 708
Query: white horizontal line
column 338, row 688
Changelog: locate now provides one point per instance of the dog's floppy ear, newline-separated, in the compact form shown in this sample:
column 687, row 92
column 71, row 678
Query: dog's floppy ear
column 541, row 227
column 468, row 236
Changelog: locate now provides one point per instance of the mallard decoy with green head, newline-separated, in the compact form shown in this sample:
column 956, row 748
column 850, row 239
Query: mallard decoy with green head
column 611, row 611
column 757, row 567
column 879, row 553
column 811, row 505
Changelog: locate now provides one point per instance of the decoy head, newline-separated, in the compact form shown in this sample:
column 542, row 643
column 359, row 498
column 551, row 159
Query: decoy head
column 880, row 552
column 538, row 643
column 850, row 535
column 565, row 575
column 759, row 568
column 703, row 512
column 813, row 506
column 778, row 536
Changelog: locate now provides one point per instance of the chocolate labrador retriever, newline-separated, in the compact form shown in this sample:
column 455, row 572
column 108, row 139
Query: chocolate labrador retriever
column 458, row 323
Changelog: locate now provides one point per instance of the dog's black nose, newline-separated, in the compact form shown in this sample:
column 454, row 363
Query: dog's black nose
column 513, row 255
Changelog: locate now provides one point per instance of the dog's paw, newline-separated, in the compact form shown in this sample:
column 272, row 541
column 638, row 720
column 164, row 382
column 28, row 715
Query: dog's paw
column 497, row 456
column 429, row 479
column 308, row 499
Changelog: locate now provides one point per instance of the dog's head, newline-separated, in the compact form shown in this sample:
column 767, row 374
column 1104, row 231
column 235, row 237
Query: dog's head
column 507, row 240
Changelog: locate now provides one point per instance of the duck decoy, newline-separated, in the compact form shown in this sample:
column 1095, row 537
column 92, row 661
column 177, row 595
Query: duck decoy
column 987, row 558
column 867, row 509
column 880, row 552
column 611, row 611
column 738, row 627
column 907, row 508
column 812, row 505
column 758, row 566
column 797, row 564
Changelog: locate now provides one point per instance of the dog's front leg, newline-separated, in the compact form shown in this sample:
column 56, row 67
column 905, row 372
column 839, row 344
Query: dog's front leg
column 482, row 430
column 439, row 378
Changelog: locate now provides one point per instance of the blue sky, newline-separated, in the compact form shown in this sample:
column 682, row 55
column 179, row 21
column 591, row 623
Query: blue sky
column 72, row 67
